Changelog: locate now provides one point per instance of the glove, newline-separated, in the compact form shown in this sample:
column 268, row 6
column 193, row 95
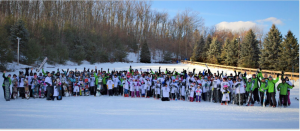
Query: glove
column 222, row 92
column 228, row 92
column 212, row 89
column 282, row 72
column 277, row 75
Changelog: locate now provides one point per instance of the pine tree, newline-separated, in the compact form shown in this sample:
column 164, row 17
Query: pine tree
column 289, row 53
column 214, row 51
column 269, row 53
column 232, row 53
column 198, row 49
column 33, row 51
column 206, row 47
column 19, row 30
column 5, row 48
column 167, row 56
column 249, row 53
column 224, row 52
column 145, row 56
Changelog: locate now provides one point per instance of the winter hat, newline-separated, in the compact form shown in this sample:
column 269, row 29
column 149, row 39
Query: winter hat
column 225, row 86
column 9, row 74
column 270, row 76
column 14, row 75
column 200, row 84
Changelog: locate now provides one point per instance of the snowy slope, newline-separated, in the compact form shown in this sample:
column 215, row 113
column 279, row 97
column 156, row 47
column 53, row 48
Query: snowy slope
column 141, row 113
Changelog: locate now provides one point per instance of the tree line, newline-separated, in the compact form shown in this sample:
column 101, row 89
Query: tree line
column 276, row 53
column 105, row 31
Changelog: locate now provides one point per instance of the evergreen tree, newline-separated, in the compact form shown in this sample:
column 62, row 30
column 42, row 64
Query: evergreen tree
column 19, row 30
column 249, row 53
column 167, row 56
column 79, row 54
column 289, row 53
column 269, row 53
column 6, row 54
column 232, row 53
column 206, row 47
column 198, row 49
column 145, row 56
column 214, row 51
column 119, row 51
column 33, row 51
column 63, row 53
column 224, row 52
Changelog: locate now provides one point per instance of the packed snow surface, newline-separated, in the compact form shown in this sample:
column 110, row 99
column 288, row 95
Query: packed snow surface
column 89, row 112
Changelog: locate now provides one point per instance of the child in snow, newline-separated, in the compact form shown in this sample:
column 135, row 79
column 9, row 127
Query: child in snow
column 110, row 85
column 198, row 93
column 166, row 91
column 132, row 88
column 192, row 90
column 125, row 86
column 225, row 92
column 283, row 87
column 157, row 89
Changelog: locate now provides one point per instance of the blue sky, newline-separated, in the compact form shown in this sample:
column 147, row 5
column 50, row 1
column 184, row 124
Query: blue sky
column 235, row 14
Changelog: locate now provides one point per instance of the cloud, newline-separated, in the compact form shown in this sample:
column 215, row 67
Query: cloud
column 236, row 26
column 271, row 19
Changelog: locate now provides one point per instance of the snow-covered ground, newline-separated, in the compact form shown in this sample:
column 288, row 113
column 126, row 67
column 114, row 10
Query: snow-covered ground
column 89, row 112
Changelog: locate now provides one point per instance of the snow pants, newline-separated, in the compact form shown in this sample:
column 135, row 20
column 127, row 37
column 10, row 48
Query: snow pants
column 288, row 97
column 137, row 93
column 271, row 98
column 198, row 98
column 247, row 96
column 132, row 93
column 284, row 98
column 204, row 96
column 110, row 92
column 239, row 98
column 255, row 95
column 165, row 99
column 121, row 90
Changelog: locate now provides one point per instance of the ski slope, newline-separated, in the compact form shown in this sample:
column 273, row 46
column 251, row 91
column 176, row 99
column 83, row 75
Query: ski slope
column 89, row 112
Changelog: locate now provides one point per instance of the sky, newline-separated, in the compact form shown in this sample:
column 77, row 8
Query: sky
column 239, row 14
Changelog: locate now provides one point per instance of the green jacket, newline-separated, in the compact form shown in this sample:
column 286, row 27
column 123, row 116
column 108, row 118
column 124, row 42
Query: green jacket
column 271, row 85
column 121, row 80
column 256, row 79
column 283, row 87
column 104, row 79
column 5, row 78
column 249, row 86
column 96, row 78
column 44, row 72
column 263, row 86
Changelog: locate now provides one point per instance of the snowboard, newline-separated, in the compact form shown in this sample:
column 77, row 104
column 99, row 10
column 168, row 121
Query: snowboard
column 42, row 91
column 86, row 91
column 15, row 92
column 49, row 93
column 60, row 89
column 27, row 92
column 7, row 90
column 99, row 87
column 15, row 88
column 211, row 95
column 44, row 61
column 70, row 90
column 35, row 91
column 66, row 92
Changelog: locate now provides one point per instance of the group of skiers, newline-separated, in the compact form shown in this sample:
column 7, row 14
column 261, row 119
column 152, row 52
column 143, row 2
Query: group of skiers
column 184, row 85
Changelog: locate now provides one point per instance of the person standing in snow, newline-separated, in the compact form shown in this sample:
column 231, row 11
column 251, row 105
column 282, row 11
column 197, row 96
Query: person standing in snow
column 271, row 90
column 48, row 81
column 198, row 93
column 283, row 88
column 6, row 80
column 225, row 92
column 110, row 84
column 166, row 91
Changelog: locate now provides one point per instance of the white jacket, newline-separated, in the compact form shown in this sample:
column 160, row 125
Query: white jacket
column 166, row 91
column 240, row 88
column 125, row 84
column 110, row 84
column 92, row 81
column 116, row 80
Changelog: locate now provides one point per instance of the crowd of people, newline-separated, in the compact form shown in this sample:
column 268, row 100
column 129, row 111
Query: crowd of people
column 164, row 85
